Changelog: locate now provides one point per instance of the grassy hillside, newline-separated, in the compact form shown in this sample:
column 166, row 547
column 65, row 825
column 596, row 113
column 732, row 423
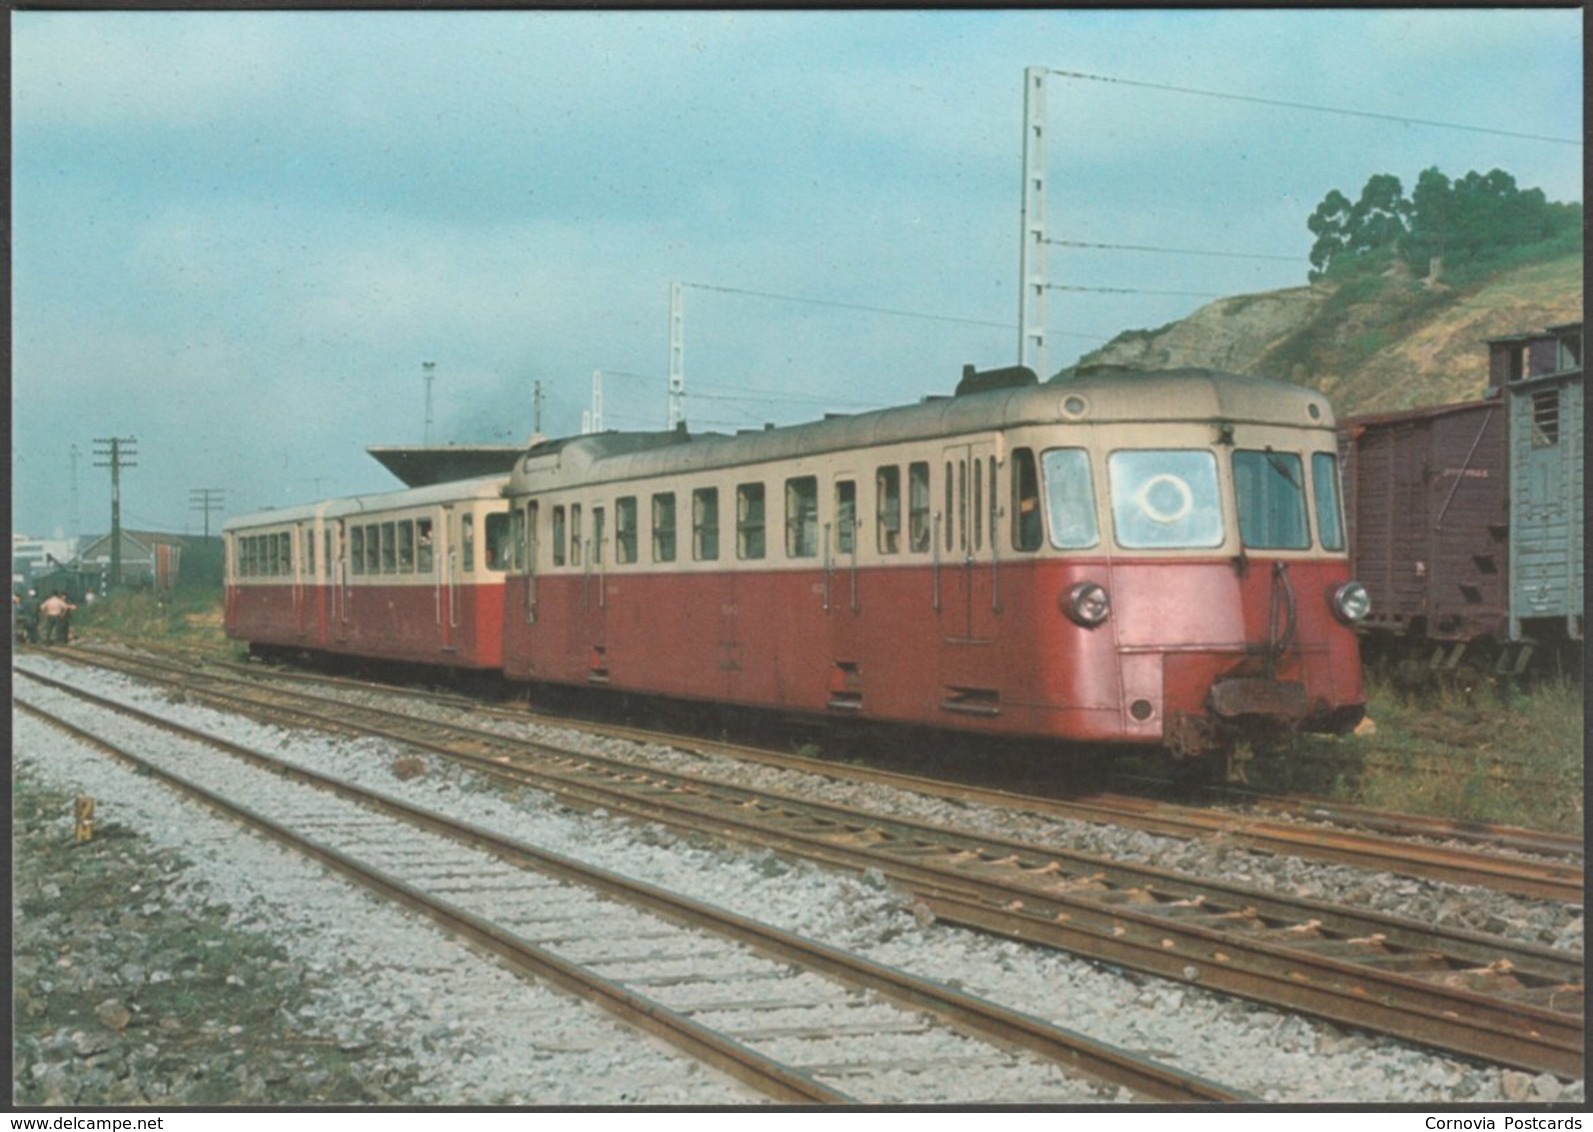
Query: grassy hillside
column 1372, row 344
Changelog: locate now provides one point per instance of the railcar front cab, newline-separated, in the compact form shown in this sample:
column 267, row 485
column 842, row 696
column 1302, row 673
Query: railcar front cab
column 1207, row 546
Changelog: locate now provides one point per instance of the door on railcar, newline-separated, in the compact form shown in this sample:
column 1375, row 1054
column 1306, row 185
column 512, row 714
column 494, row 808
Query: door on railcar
column 1546, row 564
column 301, row 551
column 594, row 598
column 435, row 555
column 969, row 587
column 843, row 597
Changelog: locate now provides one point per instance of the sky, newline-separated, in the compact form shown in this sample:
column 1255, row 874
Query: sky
column 238, row 237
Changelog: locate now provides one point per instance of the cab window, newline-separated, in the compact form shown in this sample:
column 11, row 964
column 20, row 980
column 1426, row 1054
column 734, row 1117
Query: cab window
column 1165, row 499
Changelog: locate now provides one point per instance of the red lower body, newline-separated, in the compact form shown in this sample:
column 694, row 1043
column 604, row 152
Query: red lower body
column 1193, row 651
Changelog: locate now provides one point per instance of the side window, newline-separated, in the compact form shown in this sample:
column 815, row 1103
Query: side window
column 356, row 550
column 575, row 534
column 845, row 517
column 705, row 524
column 423, row 547
column 307, row 539
column 559, row 540
column 599, row 533
column 389, row 549
column 326, row 551
column 1329, row 516
column 918, row 507
column 1070, row 498
column 802, row 517
column 1027, row 528
column 749, row 521
column 625, row 529
column 664, row 527
column 497, row 540
column 888, row 509
column 532, row 535
column 467, row 543
column 948, row 512
column 406, row 546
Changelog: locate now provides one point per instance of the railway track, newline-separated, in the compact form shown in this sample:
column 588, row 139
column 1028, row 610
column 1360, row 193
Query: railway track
column 1468, row 853
column 1513, row 1004
column 795, row 1019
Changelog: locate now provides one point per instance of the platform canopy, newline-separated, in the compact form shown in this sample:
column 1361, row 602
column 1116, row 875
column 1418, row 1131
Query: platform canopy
column 423, row 466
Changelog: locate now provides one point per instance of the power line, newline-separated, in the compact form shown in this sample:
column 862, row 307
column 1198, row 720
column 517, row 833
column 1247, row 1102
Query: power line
column 885, row 310
column 1134, row 291
column 852, row 306
column 1318, row 109
column 1176, row 251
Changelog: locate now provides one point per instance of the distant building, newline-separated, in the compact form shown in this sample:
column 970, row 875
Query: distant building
column 148, row 558
column 34, row 557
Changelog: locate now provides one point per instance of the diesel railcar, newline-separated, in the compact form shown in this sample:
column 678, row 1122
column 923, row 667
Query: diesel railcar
column 414, row 575
column 1119, row 557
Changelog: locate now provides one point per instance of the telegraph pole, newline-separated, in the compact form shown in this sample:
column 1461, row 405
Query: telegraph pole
column 116, row 455
column 430, row 369
column 206, row 499
column 677, row 355
column 1031, row 254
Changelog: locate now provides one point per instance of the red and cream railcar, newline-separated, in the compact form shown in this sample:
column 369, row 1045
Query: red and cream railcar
column 413, row 575
column 1122, row 557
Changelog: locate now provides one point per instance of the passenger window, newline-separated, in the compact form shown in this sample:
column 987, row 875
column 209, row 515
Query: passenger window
column 575, row 534
column 532, row 535
column 559, row 542
column 978, row 497
column 802, row 517
column 423, row 547
column 330, row 563
column 497, row 540
column 467, row 543
column 625, row 529
column 845, row 517
column 705, row 524
column 406, row 546
column 918, row 530
column 888, row 509
column 994, row 500
column 389, row 549
column 1070, row 498
column 664, row 527
column 356, row 549
column 749, row 520
column 307, row 539
column 599, row 532
column 1027, row 529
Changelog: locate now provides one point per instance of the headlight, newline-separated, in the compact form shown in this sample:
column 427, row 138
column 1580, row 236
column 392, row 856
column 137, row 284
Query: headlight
column 1351, row 602
column 1088, row 604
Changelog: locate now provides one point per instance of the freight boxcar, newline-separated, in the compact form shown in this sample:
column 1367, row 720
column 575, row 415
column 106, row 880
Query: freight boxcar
column 1427, row 495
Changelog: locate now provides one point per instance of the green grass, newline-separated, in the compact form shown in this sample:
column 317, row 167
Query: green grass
column 1493, row 754
column 186, row 616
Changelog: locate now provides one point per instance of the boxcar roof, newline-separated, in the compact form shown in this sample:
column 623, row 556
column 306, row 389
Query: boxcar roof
column 1109, row 394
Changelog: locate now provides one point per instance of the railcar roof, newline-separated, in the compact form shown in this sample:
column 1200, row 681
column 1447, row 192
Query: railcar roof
column 484, row 487
column 1110, row 394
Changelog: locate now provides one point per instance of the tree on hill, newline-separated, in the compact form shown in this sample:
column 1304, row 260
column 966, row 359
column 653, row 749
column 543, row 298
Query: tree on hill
column 1474, row 221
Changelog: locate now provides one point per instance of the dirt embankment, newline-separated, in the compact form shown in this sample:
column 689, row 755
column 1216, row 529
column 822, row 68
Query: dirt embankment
column 1373, row 345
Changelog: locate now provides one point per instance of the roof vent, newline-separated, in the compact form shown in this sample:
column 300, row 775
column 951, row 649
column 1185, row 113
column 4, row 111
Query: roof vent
column 983, row 381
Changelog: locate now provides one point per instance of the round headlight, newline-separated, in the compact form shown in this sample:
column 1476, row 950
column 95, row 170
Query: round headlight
column 1351, row 602
column 1088, row 604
